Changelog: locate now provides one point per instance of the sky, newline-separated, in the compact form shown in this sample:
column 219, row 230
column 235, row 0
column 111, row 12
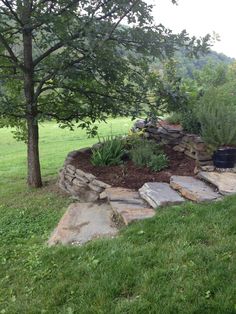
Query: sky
column 200, row 17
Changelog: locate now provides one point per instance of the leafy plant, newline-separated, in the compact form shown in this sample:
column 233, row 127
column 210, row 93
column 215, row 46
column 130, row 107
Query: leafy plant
column 133, row 139
column 174, row 118
column 158, row 162
column 148, row 153
column 217, row 115
column 141, row 154
column 182, row 100
column 190, row 122
column 110, row 152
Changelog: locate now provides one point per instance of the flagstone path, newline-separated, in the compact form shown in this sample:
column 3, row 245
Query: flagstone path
column 84, row 222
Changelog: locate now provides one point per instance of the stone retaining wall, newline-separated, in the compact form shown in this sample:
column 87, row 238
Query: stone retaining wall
column 190, row 144
column 81, row 185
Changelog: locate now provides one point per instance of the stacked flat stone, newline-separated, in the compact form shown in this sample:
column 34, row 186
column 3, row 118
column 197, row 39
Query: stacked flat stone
column 191, row 145
column 80, row 184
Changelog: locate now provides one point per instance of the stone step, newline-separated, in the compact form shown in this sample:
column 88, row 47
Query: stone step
column 159, row 194
column 128, row 205
column 193, row 189
column 83, row 222
column 224, row 181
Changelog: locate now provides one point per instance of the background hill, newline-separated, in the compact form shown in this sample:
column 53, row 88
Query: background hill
column 186, row 66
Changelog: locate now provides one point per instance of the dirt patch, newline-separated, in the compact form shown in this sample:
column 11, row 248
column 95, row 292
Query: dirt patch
column 130, row 176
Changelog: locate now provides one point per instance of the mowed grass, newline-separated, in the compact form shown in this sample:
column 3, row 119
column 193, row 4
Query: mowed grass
column 181, row 261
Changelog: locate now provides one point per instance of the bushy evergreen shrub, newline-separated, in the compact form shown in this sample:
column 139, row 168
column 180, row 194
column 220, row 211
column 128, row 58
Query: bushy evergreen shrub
column 217, row 115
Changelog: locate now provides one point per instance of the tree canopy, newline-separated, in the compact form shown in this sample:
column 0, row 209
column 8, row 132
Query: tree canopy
column 65, row 60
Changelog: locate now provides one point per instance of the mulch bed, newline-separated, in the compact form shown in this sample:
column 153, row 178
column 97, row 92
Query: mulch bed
column 130, row 176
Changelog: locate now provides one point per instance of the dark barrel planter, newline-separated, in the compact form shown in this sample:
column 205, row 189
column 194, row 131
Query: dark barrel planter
column 224, row 157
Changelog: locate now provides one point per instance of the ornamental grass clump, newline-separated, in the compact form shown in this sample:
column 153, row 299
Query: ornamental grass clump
column 111, row 152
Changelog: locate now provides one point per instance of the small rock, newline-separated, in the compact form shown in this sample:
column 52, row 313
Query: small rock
column 171, row 128
column 79, row 183
column 193, row 189
column 103, row 195
column 101, row 184
column 140, row 124
column 152, row 130
column 61, row 173
column 155, row 136
column 202, row 163
column 196, row 170
column 179, row 148
column 62, row 186
column 95, row 188
column 80, row 173
column 208, row 168
column 225, row 182
column 71, row 189
column 69, row 177
column 128, row 205
column 202, row 156
column 81, row 178
column 70, row 169
column 159, row 194
column 200, row 147
column 89, row 176
column 190, row 154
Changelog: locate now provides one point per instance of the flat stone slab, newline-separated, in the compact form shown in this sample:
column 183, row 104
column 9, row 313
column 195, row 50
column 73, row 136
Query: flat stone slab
column 83, row 222
column 159, row 194
column 224, row 181
column 128, row 205
column 193, row 189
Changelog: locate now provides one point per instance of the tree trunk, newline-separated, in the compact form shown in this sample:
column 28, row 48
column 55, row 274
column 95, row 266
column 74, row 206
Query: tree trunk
column 34, row 173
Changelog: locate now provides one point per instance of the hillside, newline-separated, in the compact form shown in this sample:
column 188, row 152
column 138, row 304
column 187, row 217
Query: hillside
column 186, row 65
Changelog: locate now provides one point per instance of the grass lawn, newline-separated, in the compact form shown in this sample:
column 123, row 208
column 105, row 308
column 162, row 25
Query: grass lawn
column 181, row 261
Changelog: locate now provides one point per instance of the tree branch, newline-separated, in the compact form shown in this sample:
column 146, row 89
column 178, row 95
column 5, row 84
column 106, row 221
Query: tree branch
column 120, row 20
column 11, row 53
column 8, row 5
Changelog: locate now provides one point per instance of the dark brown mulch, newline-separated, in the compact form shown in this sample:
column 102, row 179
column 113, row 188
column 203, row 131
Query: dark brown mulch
column 130, row 176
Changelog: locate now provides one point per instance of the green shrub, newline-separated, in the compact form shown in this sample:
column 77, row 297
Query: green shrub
column 217, row 115
column 174, row 118
column 140, row 154
column 148, row 153
column 158, row 162
column 110, row 152
column 190, row 122
column 133, row 139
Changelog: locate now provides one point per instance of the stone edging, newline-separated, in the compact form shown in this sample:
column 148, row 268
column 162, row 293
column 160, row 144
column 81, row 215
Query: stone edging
column 190, row 144
column 81, row 185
